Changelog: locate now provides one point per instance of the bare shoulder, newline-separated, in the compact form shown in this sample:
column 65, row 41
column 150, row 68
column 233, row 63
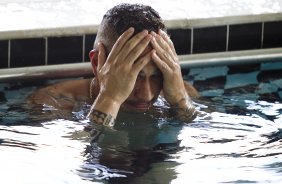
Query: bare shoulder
column 191, row 90
column 62, row 95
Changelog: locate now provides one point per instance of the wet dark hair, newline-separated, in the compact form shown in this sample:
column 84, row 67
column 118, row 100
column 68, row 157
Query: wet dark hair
column 123, row 16
column 139, row 16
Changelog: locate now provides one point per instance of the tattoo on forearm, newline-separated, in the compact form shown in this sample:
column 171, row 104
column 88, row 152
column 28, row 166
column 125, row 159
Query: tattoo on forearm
column 60, row 98
column 185, row 110
column 99, row 120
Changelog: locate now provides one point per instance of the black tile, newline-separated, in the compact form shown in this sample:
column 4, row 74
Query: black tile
column 27, row 52
column 210, row 39
column 236, row 110
column 236, row 69
column 245, row 36
column 2, row 97
column 269, row 97
column 268, row 76
column 181, row 39
column 272, row 34
column 210, row 84
column 4, row 53
column 185, row 71
column 89, row 42
column 243, row 90
column 64, row 49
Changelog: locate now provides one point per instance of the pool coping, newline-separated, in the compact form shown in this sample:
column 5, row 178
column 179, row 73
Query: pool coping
column 184, row 23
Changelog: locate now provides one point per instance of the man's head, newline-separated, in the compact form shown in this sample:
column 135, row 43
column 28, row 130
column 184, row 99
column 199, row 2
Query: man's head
column 117, row 20
column 121, row 17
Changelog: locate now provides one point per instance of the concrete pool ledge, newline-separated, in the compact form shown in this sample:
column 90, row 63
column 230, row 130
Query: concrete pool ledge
column 181, row 23
column 43, row 18
column 227, row 20
column 48, row 32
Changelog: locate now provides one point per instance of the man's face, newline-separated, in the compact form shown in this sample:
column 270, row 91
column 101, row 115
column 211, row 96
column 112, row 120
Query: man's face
column 146, row 90
column 148, row 86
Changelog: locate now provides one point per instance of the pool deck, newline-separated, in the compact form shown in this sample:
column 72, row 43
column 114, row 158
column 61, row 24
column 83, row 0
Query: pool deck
column 37, row 18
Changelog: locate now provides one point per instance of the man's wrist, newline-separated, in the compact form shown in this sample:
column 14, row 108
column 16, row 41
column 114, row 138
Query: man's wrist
column 106, row 105
column 101, row 119
column 103, row 111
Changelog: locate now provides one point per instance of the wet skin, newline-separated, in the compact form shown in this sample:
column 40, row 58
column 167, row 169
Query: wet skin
column 131, row 77
column 128, row 69
column 146, row 90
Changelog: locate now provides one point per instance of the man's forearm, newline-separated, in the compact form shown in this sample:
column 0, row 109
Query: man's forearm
column 104, row 111
column 102, row 114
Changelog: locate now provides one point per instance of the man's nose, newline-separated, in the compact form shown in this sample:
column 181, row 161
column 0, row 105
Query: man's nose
column 145, row 91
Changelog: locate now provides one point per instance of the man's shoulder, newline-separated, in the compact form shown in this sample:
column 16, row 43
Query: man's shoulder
column 62, row 94
column 70, row 87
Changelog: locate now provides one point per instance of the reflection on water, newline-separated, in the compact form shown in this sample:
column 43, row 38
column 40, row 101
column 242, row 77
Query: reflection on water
column 40, row 154
column 234, row 140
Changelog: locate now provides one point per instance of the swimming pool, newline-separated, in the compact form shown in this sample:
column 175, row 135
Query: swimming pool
column 237, row 139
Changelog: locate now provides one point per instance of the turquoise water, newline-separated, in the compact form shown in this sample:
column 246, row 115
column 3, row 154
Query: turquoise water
column 236, row 139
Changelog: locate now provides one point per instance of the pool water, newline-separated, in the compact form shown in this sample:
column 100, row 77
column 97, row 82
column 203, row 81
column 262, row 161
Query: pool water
column 236, row 139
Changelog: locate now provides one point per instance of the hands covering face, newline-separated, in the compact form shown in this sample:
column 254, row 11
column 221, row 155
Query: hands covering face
column 166, row 59
column 118, row 72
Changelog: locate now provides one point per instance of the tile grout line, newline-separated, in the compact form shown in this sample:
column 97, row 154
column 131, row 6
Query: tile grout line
column 46, row 50
column 192, row 40
column 262, row 38
column 83, row 48
column 262, row 33
column 227, row 37
column 9, row 54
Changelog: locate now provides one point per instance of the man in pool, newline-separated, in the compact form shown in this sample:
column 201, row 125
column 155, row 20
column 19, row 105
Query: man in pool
column 134, row 62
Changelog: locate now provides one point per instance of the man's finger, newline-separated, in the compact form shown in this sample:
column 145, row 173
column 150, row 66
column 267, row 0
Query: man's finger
column 138, row 50
column 164, row 44
column 140, row 63
column 101, row 56
column 168, row 40
column 162, row 54
column 131, row 44
column 160, row 64
column 120, row 43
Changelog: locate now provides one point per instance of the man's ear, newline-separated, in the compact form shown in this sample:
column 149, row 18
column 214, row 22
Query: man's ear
column 93, row 55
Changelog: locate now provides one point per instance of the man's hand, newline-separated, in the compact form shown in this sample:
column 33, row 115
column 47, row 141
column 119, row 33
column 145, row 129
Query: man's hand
column 166, row 59
column 118, row 72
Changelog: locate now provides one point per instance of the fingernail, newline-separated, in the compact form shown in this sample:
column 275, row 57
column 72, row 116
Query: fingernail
column 131, row 29
column 145, row 31
column 162, row 32
column 153, row 33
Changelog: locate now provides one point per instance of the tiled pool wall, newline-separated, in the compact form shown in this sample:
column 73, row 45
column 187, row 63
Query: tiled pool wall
column 75, row 48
